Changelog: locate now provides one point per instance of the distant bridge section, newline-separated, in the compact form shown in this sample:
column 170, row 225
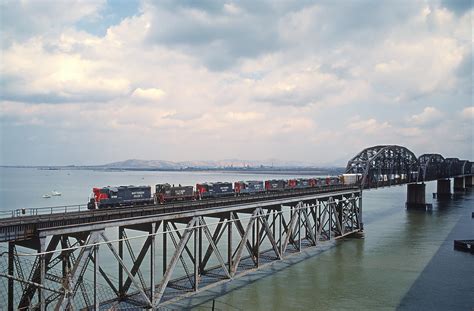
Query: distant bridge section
column 384, row 165
column 387, row 165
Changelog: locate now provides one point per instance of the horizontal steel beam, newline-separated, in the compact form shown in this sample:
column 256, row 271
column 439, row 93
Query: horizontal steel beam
column 179, row 215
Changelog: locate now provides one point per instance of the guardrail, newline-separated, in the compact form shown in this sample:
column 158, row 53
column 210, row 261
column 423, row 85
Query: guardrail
column 38, row 211
column 35, row 211
column 24, row 227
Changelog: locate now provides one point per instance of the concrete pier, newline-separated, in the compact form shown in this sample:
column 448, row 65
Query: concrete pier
column 459, row 184
column 443, row 188
column 416, row 198
column 469, row 181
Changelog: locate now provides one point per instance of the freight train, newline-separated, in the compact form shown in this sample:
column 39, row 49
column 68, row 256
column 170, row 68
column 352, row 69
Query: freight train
column 164, row 193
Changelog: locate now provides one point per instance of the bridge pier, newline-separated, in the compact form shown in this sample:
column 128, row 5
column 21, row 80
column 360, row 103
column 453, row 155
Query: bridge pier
column 459, row 184
column 416, row 196
column 443, row 188
column 11, row 271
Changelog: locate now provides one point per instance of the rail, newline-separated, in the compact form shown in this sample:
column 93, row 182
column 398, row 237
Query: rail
column 24, row 227
column 42, row 211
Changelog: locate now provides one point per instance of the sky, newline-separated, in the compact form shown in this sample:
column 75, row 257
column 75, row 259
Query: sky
column 92, row 82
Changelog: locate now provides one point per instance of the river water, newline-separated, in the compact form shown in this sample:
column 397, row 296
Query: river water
column 405, row 261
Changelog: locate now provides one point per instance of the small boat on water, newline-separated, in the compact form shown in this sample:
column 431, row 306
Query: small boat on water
column 46, row 196
column 55, row 193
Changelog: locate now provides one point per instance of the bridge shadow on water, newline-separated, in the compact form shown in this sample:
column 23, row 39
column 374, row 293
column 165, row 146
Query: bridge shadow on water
column 447, row 281
column 203, row 300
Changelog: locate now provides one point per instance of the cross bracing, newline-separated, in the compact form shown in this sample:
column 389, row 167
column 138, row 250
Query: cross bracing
column 150, row 264
column 387, row 165
column 149, row 256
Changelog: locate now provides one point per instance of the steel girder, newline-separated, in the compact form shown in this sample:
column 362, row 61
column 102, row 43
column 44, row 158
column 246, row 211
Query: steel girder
column 384, row 165
column 468, row 168
column 454, row 166
column 432, row 167
column 197, row 253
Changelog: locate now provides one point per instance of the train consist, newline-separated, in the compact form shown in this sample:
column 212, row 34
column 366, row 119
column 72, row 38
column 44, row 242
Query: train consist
column 164, row 193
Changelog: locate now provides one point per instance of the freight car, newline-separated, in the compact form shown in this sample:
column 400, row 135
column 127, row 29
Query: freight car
column 349, row 179
column 118, row 196
column 167, row 193
column 139, row 195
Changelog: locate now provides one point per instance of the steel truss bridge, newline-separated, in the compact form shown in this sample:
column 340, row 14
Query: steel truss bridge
column 150, row 256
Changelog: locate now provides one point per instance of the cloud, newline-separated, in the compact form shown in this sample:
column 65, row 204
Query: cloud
column 61, row 77
column 221, row 34
column 410, row 132
column 369, row 126
column 244, row 116
column 468, row 113
column 151, row 94
column 458, row 6
column 274, row 79
column 427, row 117
column 24, row 19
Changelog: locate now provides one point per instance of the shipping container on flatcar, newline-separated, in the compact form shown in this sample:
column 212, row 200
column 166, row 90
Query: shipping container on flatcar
column 275, row 185
column 166, row 193
column 120, row 196
column 217, row 189
column 249, row 187
column 350, row 179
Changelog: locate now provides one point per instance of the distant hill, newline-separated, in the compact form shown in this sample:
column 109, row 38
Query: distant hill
column 136, row 164
column 228, row 163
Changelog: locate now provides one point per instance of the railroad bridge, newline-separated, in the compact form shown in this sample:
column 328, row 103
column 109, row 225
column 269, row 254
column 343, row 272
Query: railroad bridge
column 153, row 255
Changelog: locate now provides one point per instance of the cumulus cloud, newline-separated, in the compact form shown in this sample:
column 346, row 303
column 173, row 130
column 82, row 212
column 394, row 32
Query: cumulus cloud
column 32, row 72
column 458, row 6
column 427, row 117
column 151, row 94
column 25, row 19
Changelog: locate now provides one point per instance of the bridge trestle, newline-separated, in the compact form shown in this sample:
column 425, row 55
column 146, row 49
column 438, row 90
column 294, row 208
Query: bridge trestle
column 103, row 267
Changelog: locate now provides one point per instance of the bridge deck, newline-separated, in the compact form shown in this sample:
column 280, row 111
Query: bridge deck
column 31, row 226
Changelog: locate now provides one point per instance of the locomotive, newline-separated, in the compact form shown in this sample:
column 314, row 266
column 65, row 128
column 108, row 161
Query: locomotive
column 164, row 193
column 120, row 196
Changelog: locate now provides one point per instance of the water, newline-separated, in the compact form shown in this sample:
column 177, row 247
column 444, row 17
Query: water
column 24, row 187
column 405, row 261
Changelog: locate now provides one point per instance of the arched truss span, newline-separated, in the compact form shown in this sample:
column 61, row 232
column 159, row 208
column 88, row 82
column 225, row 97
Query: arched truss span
column 384, row 165
column 468, row 168
column 432, row 166
column 454, row 166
